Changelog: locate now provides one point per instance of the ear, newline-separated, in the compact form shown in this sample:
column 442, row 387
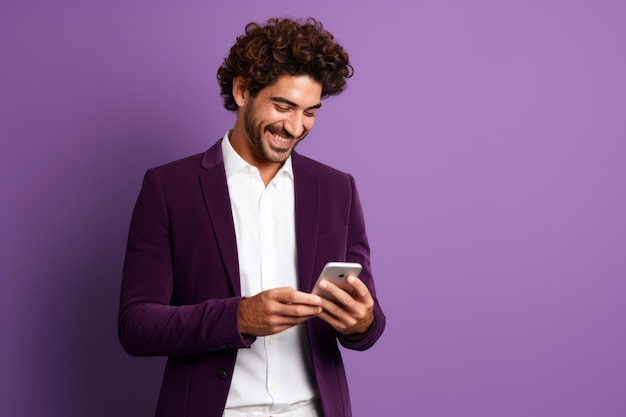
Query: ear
column 240, row 92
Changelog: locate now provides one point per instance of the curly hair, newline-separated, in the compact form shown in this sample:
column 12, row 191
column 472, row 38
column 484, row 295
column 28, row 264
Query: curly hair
column 284, row 47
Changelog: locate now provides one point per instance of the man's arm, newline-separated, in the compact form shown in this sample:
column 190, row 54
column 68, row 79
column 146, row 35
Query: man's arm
column 358, row 318
column 147, row 324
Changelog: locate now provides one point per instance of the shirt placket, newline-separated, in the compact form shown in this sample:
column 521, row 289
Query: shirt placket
column 269, row 246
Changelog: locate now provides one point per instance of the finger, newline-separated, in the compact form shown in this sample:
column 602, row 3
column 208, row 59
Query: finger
column 331, row 319
column 340, row 294
column 287, row 295
column 349, row 309
column 290, row 303
column 341, row 324
column 347, row 323
column 360, row 289
column 300, row 311
column 337, row 317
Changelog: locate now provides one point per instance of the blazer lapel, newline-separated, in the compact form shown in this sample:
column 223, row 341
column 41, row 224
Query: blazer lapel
column 217, row 200
column 307, row 212
column 307, row 201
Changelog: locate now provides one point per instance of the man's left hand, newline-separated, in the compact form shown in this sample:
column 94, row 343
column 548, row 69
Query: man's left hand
column 355, row 311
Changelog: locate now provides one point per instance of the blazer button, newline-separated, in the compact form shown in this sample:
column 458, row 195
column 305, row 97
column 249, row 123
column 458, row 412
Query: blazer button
column 222, row 374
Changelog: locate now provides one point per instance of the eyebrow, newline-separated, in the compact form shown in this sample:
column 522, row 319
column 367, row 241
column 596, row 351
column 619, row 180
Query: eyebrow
column 292, row 104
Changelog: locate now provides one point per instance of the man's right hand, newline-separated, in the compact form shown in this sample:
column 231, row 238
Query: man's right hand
column 272, row 311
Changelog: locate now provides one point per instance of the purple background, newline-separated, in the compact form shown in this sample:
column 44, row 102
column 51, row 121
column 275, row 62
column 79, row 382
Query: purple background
column 488, row 140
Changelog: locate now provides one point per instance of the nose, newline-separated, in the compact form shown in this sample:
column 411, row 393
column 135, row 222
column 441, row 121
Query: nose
column 295, row 124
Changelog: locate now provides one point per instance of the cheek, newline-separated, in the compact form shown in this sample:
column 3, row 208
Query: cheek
column 274, row 118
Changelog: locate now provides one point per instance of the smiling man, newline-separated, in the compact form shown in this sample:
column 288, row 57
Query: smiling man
column 273, row 122
column 225, row 247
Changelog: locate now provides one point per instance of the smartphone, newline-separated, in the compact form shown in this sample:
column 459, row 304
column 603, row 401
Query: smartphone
column 337, row 273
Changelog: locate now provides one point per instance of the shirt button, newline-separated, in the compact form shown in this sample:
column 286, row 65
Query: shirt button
column 222, row 374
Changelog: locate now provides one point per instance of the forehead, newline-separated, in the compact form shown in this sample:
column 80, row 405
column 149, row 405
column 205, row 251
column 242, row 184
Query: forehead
column 301, row 89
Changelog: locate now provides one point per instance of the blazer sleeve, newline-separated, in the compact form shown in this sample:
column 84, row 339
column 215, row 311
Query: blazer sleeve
column 147, row 324
column 358, row 250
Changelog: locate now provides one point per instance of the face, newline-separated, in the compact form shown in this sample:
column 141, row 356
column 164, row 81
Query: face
column 279, row 117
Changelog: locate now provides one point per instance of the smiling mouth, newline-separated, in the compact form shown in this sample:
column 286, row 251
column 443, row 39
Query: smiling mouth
column 281, row 137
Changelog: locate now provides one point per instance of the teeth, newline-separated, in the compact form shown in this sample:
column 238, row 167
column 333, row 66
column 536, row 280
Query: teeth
column 281, row 139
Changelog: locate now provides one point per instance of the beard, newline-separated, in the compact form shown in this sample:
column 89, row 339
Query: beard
column 255, row 131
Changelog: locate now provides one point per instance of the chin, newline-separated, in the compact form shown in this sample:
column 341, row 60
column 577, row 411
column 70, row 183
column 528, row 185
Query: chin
column 279, row 154
column 278, row 157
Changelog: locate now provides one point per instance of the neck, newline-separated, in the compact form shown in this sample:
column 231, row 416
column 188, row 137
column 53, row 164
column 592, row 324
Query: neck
column 241, row 144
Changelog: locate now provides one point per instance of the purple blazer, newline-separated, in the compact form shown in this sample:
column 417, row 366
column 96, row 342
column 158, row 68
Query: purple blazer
column 180, row 289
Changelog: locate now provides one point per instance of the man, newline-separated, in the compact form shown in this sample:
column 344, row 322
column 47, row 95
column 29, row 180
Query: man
column 225, row 246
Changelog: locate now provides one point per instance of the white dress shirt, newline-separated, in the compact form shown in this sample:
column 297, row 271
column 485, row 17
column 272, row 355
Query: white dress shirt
column 275, row 374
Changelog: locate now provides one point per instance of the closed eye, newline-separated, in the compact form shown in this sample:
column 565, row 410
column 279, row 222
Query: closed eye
column 283, row 105
column 281, row 108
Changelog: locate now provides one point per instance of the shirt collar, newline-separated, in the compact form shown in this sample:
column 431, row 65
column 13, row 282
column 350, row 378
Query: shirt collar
column 234, row 163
